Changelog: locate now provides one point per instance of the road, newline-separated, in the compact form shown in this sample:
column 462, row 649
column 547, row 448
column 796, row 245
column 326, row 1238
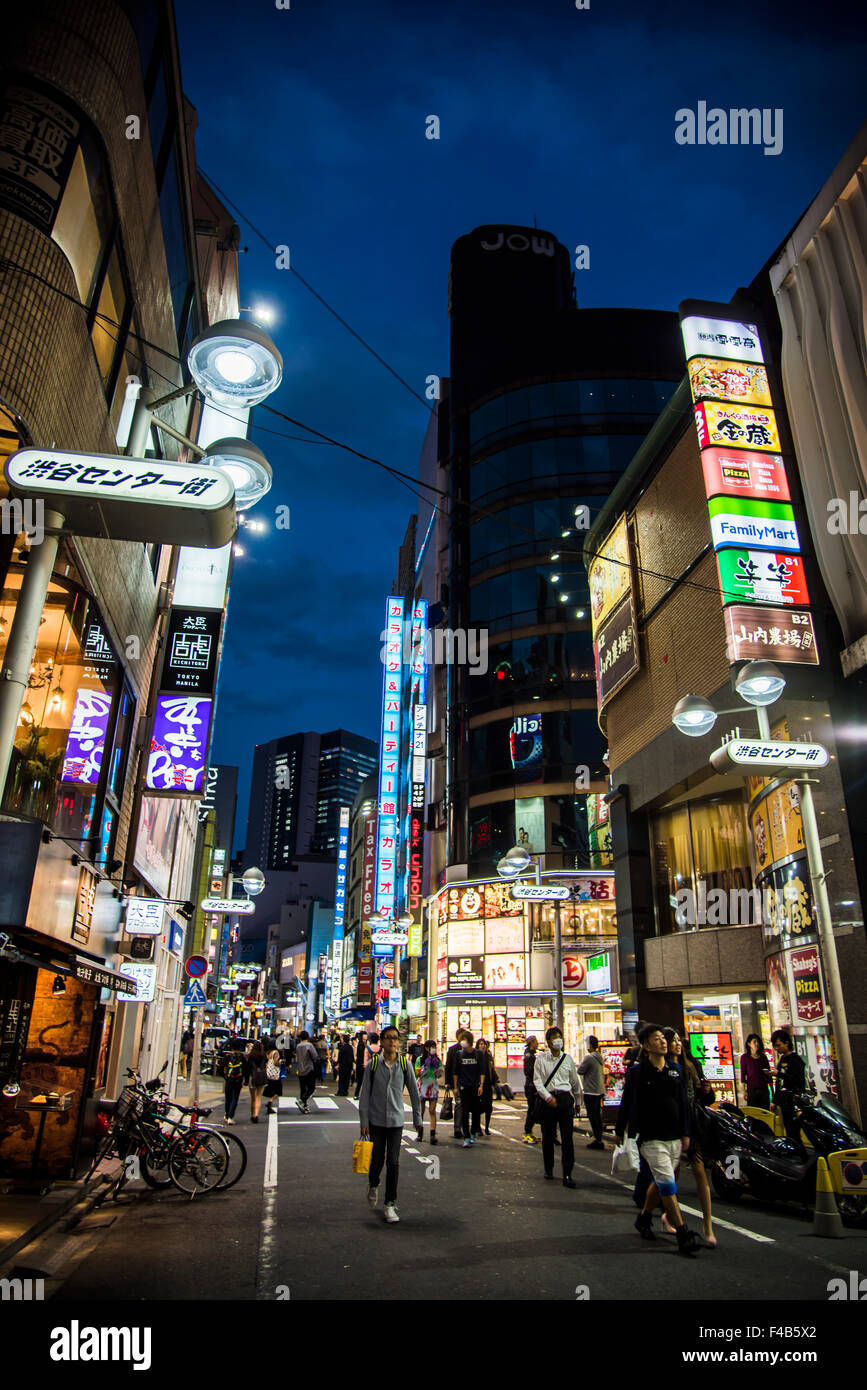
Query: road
column 485, row 1225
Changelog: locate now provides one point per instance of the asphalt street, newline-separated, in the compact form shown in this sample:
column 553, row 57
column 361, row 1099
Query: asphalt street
column 478, row 1222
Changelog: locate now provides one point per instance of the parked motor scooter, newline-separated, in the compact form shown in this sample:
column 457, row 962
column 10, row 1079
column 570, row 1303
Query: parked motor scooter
column 746, row 1159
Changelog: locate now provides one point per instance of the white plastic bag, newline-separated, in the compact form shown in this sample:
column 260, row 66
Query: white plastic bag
column 625, row 1159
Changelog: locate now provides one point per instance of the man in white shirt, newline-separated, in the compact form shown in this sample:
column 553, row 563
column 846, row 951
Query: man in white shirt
column 559, row 1087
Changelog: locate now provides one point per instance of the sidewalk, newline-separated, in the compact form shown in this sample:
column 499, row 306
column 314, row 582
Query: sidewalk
column 25, row 1216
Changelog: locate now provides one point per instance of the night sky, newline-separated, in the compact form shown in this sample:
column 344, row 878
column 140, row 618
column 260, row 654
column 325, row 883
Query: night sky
column 312, row 120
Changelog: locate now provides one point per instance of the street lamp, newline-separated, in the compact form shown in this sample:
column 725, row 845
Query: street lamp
column 245, row 465
column 253, row 881
column 235, row 363
column 514, row 863
column 760, row 684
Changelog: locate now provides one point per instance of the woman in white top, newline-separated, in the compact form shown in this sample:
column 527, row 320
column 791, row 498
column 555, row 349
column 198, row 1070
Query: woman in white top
column 558, row 1091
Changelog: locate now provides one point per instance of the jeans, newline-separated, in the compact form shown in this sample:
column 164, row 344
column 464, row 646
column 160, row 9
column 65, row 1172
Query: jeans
column 471, row 1110
column 594, row 1115
column 456, row 1117
column 233, row 1091
column 530, row 1093
column 551, row 1119
column 386, row 1145
column 759, row 1096
column 306, row 1084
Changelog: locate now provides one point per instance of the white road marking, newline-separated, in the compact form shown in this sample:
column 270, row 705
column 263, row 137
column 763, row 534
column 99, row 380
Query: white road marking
column 326, row 1103
column 271, row 1152
column 411, row 1151
column 717, row 1220
column 305, row 1122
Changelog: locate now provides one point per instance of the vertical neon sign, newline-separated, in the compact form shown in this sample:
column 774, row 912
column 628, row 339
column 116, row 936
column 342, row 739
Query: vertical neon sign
column 340, row 889
column 389, row 757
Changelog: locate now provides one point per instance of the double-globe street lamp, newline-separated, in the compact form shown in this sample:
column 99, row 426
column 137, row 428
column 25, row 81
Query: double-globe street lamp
column 760, row 684
column 402, row 924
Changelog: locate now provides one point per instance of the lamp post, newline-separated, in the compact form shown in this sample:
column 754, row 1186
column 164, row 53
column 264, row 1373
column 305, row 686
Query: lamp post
column 403, row 922
column 760, row 684
column 510, row 867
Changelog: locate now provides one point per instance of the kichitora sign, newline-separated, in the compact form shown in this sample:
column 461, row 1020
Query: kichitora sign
column 752, row 521
column 125, row 499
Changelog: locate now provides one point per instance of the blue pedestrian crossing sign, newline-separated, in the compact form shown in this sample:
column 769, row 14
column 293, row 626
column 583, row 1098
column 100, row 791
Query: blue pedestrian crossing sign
column 195, row 995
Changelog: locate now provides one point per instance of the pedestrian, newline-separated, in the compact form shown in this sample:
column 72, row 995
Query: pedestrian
column 274, row 1073
column 592, row 1073
column 415, row 1049
column 256, row 1077
column 307, row 1067
column 654, row 1110
column 334, row 1048
column 756, row 1073
column 380, row 1114
column 368, row 1048
column 184, row 1059
column 698, row 1094
column 321, row 1045
column 345, row 1060
column 791, row 1081
column 529, row 1088
column 491, row 1079
column 231, row 1067
column 428, row 1070
column 449, row 1077
column 469, row 1073
column 558, row 1087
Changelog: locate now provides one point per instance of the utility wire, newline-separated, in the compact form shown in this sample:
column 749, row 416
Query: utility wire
column 405, row 479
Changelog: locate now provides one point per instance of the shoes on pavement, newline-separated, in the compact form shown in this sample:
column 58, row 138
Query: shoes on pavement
column 390, row 1213
column 419, row 1134
column 644, row 1225
column 434, row 1139
column 549, row 1177
column 596, row 1144
column 487, row 1134
column 254, row 1119
column 472, row 1139
column 372, row 1196
column 687, row 1241
column 530, row 1139
column 468, row 1143
column 568, row 1182
column 228, row 1120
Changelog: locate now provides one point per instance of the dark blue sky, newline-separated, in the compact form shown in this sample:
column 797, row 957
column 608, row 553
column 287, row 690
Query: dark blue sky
column 312, row 120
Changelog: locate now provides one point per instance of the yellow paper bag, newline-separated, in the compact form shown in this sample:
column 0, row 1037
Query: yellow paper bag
column 361, row 1151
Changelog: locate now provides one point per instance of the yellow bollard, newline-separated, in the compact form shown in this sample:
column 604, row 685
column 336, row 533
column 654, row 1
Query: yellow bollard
column 826, row 1217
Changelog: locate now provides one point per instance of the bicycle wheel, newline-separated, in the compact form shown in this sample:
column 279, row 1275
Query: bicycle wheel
column 237, row 1160
column 154, row 1159
column 198, row 1159
column 104, row 1150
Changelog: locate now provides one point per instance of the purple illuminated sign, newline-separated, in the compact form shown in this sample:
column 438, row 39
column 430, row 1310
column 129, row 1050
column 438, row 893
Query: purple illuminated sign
column 85, row 743
column 179, row 745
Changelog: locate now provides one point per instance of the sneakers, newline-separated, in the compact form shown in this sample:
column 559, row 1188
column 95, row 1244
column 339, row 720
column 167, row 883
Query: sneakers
column 390, row 1213
column 372, row 1196
column 472, row 1139
column 687, row 1241
column 644, row 1225
column 468, row 1143
column 530, row 1139
column 228, row 1120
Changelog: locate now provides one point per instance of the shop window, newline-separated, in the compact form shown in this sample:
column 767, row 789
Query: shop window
column 85, row 220
column 109, row 321
column 698, row 848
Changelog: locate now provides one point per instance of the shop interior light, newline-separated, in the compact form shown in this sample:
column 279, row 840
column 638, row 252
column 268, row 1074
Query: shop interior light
column 760, row 683
column 246, row 466
column 235, row 363
column 694, row 715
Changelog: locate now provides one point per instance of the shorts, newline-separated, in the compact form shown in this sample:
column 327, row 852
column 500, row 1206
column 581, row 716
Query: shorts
column 662, row 1157
column 273, row 1088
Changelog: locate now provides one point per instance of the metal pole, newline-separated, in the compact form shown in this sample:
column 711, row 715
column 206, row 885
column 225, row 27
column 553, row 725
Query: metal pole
column 828, row 948
column 197, row 1055
column 560, row 1020
column 23, row 634
column 140, row 426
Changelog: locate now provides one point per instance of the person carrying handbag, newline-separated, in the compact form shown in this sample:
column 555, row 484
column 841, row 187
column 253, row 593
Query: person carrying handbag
column 558, row 1091
column 273, row 1084
column 256, row 1077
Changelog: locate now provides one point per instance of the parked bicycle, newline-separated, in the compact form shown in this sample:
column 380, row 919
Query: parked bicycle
column 194, row 1157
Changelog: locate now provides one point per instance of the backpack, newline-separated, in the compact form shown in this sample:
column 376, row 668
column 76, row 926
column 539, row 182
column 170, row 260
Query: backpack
column 233, row 1067
column 375, row 1058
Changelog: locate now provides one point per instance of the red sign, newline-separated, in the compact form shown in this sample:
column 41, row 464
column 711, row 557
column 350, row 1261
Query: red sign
column 368, row 880
column 416, row 861
column 741, row 473
column 442, row 976
column 807, row 982
column 574, row 972
column 196, row 967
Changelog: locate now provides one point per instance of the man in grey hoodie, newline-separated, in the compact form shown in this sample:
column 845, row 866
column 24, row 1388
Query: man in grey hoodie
column 380, row 1113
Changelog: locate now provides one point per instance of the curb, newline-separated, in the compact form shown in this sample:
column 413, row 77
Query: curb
column 66, row 1214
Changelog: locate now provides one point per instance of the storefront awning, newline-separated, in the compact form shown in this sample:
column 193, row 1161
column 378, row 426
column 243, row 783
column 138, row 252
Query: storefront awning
column 46, row 953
